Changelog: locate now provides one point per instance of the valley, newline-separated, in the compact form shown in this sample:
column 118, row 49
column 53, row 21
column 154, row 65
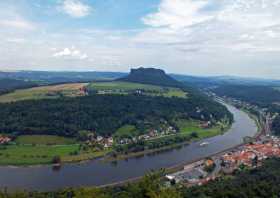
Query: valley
column 139, row 99
column 124, row 169
column 74, row 122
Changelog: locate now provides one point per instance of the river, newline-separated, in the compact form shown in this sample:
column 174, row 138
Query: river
column 95, row 173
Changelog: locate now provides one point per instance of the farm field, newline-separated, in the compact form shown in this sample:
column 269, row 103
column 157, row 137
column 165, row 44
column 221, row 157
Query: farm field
column 119, row 87
column 126, row 86
column 30, row 155
column 44, row 92
column 44, row 140
column 22, row 155
column 187, row 127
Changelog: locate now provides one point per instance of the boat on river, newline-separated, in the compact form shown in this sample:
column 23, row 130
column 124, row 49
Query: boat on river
column 204, row 144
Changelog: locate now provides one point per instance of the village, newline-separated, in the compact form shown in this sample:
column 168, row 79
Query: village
column 248, row 156
column 107, row 142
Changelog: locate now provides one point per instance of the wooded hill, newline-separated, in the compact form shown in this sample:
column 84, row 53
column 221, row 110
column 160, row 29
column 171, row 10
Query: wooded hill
column 260, row 95
column 7, row 85
column 103, row 114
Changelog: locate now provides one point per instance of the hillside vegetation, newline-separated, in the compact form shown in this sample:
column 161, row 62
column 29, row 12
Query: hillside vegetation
column 260, row 95
column 8, row 85
column 103, row 114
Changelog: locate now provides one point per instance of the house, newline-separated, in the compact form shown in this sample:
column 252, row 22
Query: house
column 209, row 162
column 99, row 138
column 4, row 140
column 205, row 124
column 108, row 142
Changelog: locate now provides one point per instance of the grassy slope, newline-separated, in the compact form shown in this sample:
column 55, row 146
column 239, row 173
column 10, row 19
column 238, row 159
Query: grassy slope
column 72, row 89
column 40, row 149
column 122, row 85
column 43, row 154
column 43, row 92
column 188, row 126
column 128, row 86
column 29, row 155
column 43, row 140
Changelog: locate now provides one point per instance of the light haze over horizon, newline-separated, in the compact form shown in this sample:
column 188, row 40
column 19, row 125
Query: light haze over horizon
column 194, row 37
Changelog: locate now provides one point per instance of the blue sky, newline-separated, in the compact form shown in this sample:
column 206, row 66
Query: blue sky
column 199, row 37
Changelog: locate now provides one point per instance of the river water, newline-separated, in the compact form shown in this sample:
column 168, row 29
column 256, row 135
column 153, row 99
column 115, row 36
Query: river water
column 95, row 173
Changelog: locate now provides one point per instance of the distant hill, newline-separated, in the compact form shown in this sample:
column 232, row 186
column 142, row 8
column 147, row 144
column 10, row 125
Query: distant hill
column 212, row 81
column 7, row 85
column 260, row 95
column 54, row 77
column 151, row 76
column 48, row 77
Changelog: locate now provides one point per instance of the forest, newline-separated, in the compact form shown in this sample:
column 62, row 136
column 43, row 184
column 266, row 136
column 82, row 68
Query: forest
column 7, row 85
column 102, row 114
column 259, row 95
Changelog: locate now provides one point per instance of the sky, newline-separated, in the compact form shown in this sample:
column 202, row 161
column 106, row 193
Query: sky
column 195, row 37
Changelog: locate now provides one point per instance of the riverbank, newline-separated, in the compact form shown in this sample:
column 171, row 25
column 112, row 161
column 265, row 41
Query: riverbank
column 37, row 155
column 118, row 157
column 180, row 167
column 97, row 173
column 36, row 150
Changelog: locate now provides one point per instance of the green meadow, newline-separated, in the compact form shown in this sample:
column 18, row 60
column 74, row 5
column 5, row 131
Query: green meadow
column 118, row 87
column 44, row 140
column 44, row 92
column 187, row 127
column 31, row 154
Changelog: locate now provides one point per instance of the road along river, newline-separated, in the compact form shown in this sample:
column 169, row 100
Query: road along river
column 96, row 173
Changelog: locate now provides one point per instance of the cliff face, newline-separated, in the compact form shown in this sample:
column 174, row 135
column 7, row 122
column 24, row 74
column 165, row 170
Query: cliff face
column 145, row 71
column 151, row 76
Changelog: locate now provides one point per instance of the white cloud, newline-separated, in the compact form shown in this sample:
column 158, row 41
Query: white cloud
column 211, row 24
column 213, row 34
column 177, row 14
column 16, row 40
column 208, row 37
column 71, row 53
column 17, row 23
column 250, row 13
column 76, row 8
